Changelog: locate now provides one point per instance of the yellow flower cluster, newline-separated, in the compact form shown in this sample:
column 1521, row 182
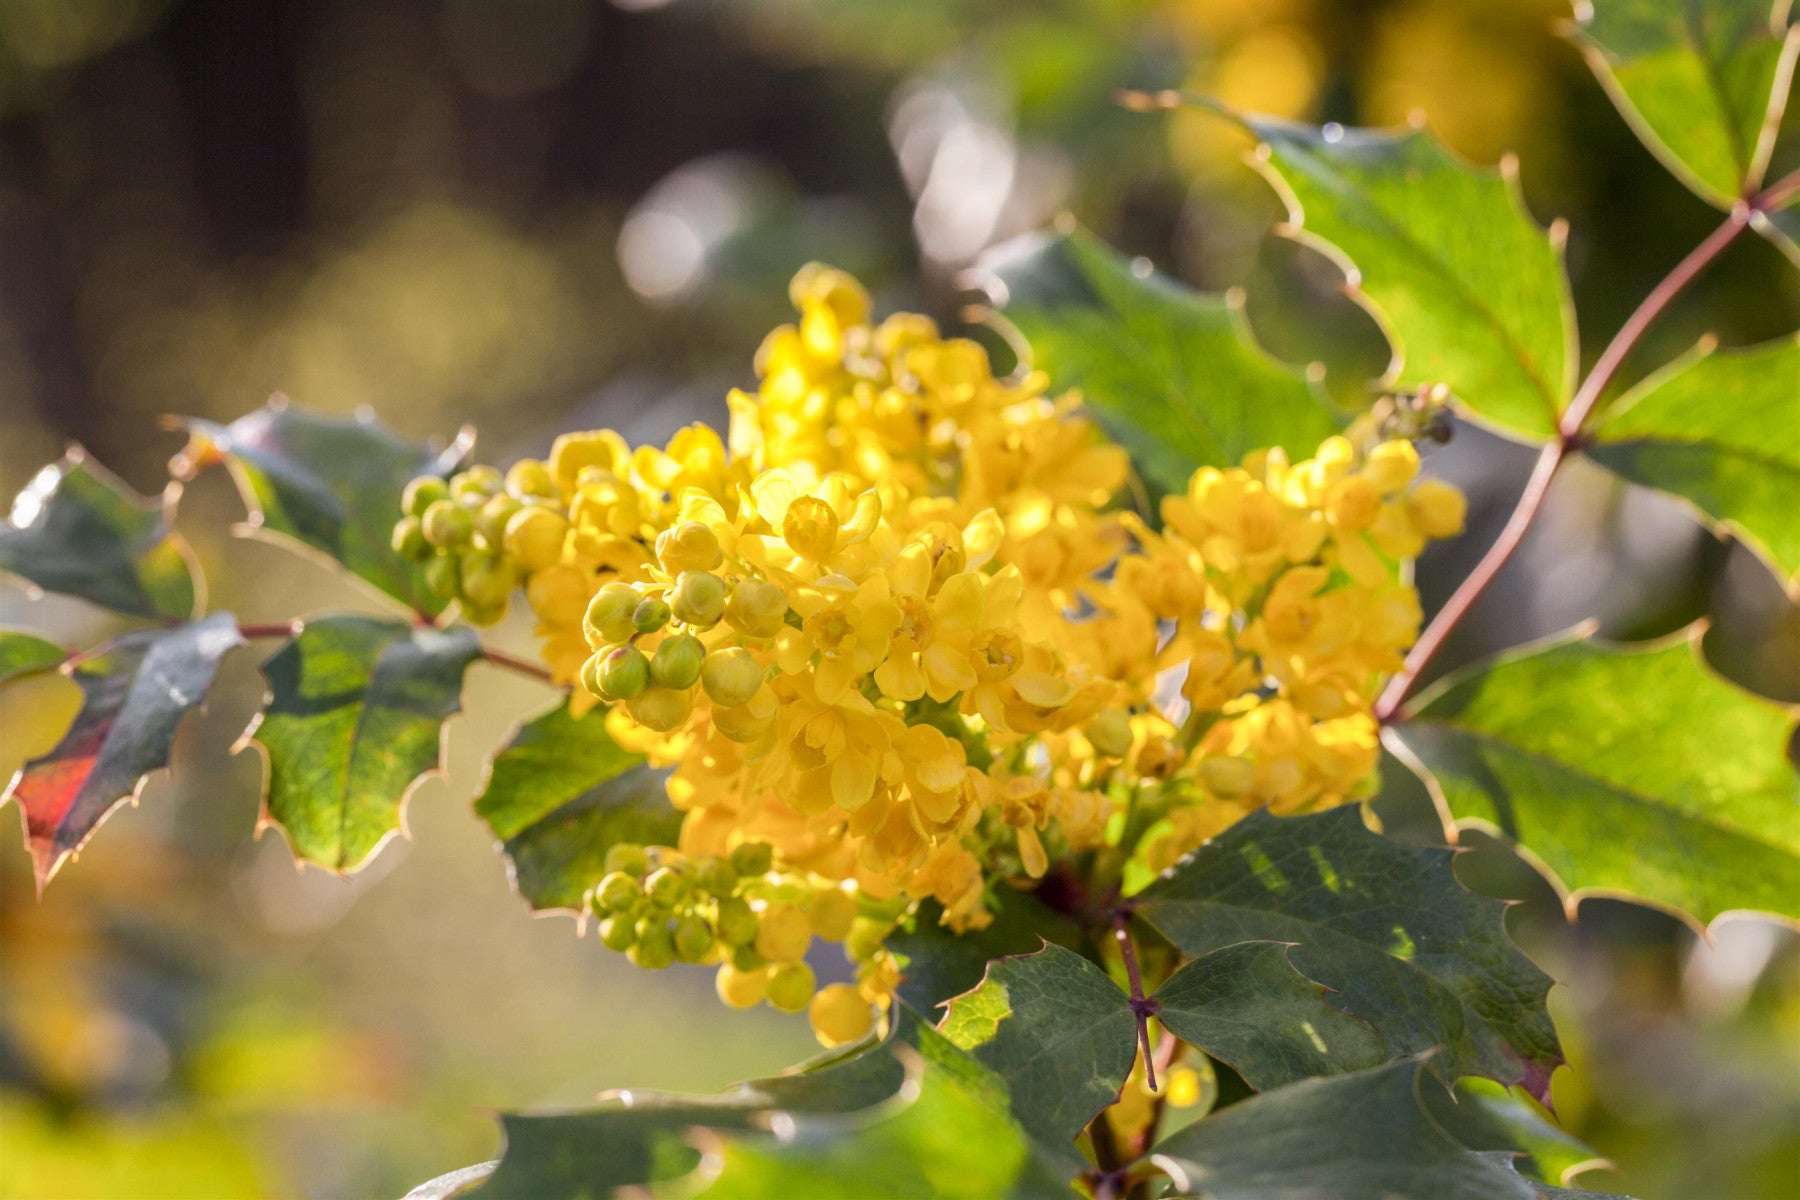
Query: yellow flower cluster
column 893, row 628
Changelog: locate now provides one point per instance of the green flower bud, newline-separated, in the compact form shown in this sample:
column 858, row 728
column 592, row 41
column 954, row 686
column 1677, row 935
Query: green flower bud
column 624, row 672
column 590, row 673
column 487, row 581
column 475, row 484
column 650, row 615
column 693, row 938
column 753, row 858
column 422, row 493
column 660, row 708
column 529, row 477
column 491, row 519
column 731, row 676
column 447, row 524
column 737, row 924
column 791, row 986
column 716, row 876
column 666, row 887
column 608, row 617
column 699, row 599
column 655, row 948
column 745, row 958
column 618, row 932
column 1110, row 732
column 535, row 537
column 627, row 858
column 677, row 662
column 408, row 540
column 443, row 577
column 756, row 608
column 616, row 890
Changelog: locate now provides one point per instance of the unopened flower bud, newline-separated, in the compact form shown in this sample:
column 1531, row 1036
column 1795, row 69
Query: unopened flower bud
column 660, row 708
column 608, row 617
column 731, row 676
column 689, row 546
column 756, row 608
column 447, row 524
column 623, row 672
column 677, row 662
column 650, row 615
column 422, row 493
column 409, row 541
column 535, row 536
column 699, row 599
column 1110, row 733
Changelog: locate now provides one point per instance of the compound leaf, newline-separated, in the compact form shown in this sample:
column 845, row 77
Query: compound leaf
column 1385, row 925
column 1624, row 768
column 1170, row 372
column 1056, row 1029
column 1246, row 1005
column 1364, row 1136
column 330, row 483
column 1718, row 428
column 355, row 719
column 559, row 794
column 1472, row 291
column 1702, row 82
column 134, row 693
column 78, row 530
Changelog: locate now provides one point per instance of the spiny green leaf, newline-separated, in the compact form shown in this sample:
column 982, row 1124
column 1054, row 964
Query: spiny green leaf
column 1246, row 1005
column 355, row 717
column 1482, row 1115
column 1364, row 1136
column 1385, row 925
column 1719, row 428
column 1170, row 372
column 1702, row 82
column 1471, row 290
column 22, row 652
column 1056, row 1029
column 938, row 964
column 135, row 693
column 1630, row 769
column 909, row 1116
column 77, row 530
column 561, row 793
column 330, row 483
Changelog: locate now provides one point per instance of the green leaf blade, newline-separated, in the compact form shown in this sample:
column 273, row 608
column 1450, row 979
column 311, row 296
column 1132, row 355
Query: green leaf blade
column 1471, row 290
column 1703, row 83
column 329, row 483
column 354, row 720
column 1171, row 373
column 561, row 793
column 79, row 531
column 1247, row 1006
column 1385, row 925
column 1718, row 428
column 939, row 964
column 22, row 653
column 1630, row 769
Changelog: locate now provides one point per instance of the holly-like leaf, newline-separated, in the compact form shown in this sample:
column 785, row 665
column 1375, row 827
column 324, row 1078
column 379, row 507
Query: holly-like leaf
column 1170, row 372
column 22, row 652
column 911, row 1116
column 1718, row 428
column 560, row 794
column 1385, row 925
column 78, row 530
column 1482, row 1115
column 938, row 964
column 330, row 483
column 1471, row 290
column 1364, row 1136
column 1702, row 82
column 1246, row 1005
column 1631, row 769
column 1056, row 1029
column 134, row 694
column 354, row 721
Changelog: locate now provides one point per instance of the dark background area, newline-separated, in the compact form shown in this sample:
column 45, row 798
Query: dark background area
column 534, row 215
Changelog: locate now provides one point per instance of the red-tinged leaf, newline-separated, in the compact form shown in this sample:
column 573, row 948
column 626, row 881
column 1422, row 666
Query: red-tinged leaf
column 134, row 696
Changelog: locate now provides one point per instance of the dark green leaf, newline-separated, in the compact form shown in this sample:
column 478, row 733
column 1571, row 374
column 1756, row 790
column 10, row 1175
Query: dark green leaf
column 1364, row 1136
column 1247, row 1006
column 1056, row 1029
column 1471, row 290
column 1630, row 769
column 355, row 718
column 330, row 483
column 1702, row 82
column 561, row 793
column 939, row 964
column 25, row 652
column 77, row 530
column 135, row 693
column 1719, row 429
column 1385, row 925
column 1782, row 228
column 1172, row 373
column 911, row 1116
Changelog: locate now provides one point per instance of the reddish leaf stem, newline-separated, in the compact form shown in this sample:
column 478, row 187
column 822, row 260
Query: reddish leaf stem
column 1569, row 433
column 1141, row 1005
column 520, row 665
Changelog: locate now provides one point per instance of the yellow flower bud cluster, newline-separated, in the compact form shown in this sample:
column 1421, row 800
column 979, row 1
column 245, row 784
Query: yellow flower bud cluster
column 895, row 628
column 480, row 532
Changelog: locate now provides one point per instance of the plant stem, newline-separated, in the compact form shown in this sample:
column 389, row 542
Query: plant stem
column 520, row 665
column 1391, row 705
column 1141, row 1005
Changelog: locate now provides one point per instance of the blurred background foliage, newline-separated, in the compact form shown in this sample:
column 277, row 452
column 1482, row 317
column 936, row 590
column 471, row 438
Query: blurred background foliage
column 535, row 215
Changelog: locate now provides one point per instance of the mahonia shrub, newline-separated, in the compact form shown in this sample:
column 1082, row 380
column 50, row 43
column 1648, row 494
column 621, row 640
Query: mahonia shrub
column 1017, row 726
